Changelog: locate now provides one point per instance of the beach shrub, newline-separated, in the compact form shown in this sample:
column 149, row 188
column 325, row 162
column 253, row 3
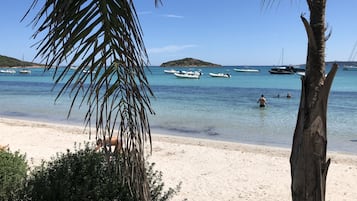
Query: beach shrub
column 86, row 175
column 13, row 171
column 157, row 185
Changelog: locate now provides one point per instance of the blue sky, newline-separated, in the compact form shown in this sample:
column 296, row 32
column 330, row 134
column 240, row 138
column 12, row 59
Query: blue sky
column 228, row 32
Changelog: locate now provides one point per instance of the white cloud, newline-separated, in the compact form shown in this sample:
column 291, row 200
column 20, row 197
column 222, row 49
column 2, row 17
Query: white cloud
column 173, row 16
column 169, row 49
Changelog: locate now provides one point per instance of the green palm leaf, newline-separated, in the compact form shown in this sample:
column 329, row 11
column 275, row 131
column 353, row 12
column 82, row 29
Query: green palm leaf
column 105, row 38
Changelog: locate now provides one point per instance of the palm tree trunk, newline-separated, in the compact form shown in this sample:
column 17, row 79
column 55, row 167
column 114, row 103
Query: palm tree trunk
column 308, row 156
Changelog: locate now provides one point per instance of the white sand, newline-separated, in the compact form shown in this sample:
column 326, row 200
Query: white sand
column 209, row 170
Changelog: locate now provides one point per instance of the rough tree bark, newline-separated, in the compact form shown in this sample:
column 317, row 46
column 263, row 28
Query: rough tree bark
column 308, row 156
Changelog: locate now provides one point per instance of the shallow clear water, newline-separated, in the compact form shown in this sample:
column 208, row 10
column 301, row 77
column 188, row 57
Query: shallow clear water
column 213, row 108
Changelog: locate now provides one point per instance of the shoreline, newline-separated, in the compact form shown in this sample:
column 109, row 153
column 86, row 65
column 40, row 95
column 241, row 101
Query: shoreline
column 208, row 169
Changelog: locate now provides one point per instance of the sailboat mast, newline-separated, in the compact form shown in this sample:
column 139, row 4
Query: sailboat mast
column 353, row 53
column 282, row 56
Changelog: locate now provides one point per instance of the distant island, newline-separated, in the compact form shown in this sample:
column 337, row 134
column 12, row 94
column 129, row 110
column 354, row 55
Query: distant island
column 12, row 62
column 188, row 62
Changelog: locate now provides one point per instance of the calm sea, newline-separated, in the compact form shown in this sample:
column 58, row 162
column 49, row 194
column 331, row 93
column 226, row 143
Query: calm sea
column 213, row 108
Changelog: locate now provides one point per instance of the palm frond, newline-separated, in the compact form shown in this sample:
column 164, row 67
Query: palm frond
column 105, row 39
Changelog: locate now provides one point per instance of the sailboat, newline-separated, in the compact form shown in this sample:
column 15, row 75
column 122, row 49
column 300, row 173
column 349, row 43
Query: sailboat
column 24, row 70
column 284, row 70
column 351, row 66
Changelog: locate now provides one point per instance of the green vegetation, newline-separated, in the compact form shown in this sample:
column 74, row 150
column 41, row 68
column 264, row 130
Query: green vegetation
column 189, row 62
column 88, row 175
column 12, row 62
column 13, row 170
column 80, row 175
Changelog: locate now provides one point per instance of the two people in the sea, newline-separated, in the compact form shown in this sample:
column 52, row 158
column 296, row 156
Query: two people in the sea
column 288, row 95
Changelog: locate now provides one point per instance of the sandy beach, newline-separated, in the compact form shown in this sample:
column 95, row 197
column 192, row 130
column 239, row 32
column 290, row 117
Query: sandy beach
column 208, row 170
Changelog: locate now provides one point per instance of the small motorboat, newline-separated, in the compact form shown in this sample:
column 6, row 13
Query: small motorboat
column 300, row 73
column 246, row 70
column 350, row 68
column 8, row 71
column 89, row 71
column 25, row 71
column 224, row 75
column 171, row 71
column 188, row 74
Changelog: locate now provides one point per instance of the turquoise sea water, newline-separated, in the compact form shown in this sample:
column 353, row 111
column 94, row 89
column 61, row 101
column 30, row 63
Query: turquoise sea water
column 213, row 108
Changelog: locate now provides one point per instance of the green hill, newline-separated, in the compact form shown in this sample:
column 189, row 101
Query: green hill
column 12, row 62
column 188, row 62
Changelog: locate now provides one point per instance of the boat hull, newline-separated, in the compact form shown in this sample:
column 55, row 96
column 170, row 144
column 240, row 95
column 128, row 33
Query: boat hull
column 240, row 70
column 222, row 75
column 281, row 72
column 350, row 68
column 8, row 71
column 187, row 75
column 172, row 71
column 25, row 71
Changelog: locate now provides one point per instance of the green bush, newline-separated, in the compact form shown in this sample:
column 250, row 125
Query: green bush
column 157, row 186
column 86, row 175
column 13, row 171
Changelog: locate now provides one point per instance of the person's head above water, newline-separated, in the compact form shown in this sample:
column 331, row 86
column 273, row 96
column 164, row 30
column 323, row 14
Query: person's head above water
column 262, row 95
